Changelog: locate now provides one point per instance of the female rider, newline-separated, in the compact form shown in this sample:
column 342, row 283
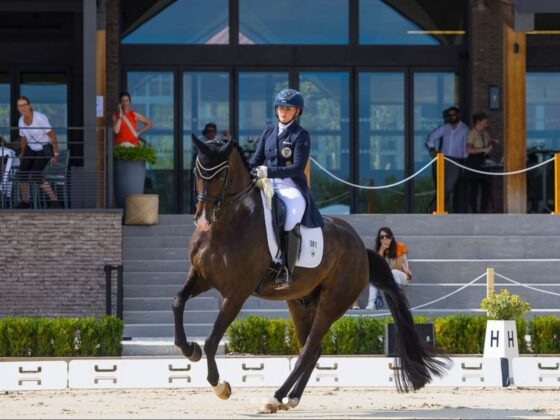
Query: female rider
column 281, row 155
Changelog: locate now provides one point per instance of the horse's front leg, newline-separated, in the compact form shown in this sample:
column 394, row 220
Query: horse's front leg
column 193, row 287
column 230, row 309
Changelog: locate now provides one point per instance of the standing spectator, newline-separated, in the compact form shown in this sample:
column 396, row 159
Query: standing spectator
column 39, row 146
column 453, row 135
column 125, row 123
column 479, row 145
column 395, row 254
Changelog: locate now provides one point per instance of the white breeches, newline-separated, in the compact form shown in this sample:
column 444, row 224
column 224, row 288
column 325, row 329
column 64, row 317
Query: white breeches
column 292, row 199
column 400, row 279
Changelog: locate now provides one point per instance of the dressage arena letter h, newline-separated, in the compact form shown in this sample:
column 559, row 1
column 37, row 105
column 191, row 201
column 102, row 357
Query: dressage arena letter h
column 495, row 338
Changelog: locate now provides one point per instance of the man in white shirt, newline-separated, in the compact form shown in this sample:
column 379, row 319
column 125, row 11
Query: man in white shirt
column 39, row 146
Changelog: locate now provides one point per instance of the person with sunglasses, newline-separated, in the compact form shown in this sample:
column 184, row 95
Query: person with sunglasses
column 395, row 254
column 453, row 137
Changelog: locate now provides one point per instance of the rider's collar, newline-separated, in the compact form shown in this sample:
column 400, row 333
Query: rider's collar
column 282, row 127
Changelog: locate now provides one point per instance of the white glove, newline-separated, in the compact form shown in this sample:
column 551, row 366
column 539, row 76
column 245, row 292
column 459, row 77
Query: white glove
column 261, row 171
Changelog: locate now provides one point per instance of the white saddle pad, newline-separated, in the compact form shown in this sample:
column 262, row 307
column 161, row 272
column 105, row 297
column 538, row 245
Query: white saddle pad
column 311, row 241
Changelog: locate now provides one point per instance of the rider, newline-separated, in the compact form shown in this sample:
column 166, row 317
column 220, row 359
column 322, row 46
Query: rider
column 282, row 154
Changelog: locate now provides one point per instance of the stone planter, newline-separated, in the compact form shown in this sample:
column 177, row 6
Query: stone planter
column 129, row 179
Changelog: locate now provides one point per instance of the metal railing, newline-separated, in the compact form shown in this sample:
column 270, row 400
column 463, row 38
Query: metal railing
column 80, row 178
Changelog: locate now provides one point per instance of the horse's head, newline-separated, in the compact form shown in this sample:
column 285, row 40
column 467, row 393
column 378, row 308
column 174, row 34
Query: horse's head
column 212, row 179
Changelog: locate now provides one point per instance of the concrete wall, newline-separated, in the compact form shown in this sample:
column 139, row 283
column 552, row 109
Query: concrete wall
column 52, row 262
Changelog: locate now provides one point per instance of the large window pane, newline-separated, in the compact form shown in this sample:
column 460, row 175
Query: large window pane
column 205, row 99
column 433, row 93
column 256, row 95
column 418, row 22
column 48, row 93
column 176, row 22
column 152, row 96
column 5, row 104
column 382, row 141
column 543, row 137
column 326, row 117
column 293, row 22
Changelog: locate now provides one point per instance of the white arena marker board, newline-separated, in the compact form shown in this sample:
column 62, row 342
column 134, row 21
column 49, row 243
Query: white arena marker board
column 381, row 371
column 37, row 375
column 139, row 373
column 536, row 371
column 244, row 372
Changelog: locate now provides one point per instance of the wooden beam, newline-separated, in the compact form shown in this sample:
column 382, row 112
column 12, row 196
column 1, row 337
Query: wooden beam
column 515, row 186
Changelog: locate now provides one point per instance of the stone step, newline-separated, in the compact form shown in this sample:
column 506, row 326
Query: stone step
column 456, row 224
column 194, row 317
column 143, row 266
column 156, row 241
column 159, row 291
column 159, row 230
column 163, row 253
column 164, row 304
column 154, row 278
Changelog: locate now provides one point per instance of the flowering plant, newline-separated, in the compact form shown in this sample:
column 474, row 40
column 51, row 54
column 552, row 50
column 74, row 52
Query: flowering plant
column 504, row 306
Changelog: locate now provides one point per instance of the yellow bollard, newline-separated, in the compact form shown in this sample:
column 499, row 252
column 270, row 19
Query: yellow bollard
column 556, row 184
column 440, row 185
column 489, row 281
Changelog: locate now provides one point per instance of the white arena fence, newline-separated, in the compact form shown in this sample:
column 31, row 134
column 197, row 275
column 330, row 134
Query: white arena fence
column 348, row 371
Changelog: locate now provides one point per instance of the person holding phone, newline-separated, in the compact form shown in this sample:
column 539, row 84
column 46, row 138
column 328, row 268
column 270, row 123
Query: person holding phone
column 125, row 123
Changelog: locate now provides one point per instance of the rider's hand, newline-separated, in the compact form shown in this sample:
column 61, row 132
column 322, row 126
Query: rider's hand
column 261, row 172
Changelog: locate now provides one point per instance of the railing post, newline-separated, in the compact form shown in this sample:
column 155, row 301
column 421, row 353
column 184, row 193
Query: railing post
column 120, row 291
column 556, row 184
column 440, row 185
column 108, row 270
column 489, row 281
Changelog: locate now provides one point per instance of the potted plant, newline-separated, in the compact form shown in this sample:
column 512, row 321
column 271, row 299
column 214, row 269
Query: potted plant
column 130, row 170
column 501, row 331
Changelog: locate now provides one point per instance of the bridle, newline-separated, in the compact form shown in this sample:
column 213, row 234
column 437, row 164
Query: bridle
column 208, row 174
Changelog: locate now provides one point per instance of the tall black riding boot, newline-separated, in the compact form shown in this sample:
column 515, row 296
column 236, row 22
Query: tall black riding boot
column 290, row 252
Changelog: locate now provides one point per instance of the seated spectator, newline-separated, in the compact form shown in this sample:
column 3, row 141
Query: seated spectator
column 395, row 254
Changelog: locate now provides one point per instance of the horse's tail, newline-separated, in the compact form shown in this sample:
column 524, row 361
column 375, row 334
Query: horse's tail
column 417, row 359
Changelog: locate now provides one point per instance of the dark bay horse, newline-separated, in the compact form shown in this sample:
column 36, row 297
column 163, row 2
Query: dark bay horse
column 229, row 252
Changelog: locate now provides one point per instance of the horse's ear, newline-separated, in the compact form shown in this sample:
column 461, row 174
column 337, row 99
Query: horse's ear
column 200, row 145
column 227, row 148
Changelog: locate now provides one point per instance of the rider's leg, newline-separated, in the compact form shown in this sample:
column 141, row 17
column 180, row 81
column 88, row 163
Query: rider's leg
column 291, row 241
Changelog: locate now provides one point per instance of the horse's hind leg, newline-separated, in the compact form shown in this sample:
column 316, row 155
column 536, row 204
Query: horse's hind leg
column 302, row 320
column 193, row 287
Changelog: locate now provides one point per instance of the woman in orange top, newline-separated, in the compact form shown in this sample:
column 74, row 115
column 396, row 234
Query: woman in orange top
column 395, row 254
column 125, row 123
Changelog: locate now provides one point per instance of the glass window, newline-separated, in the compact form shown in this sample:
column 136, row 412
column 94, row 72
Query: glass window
column 256, row 95
column 419, row 22
column 433, row 93
column 152, row 96
column 326, row 117
column 205, row 99
column 177, row 22
column 5, row 106
column 382, row 141
column 48, row 93
column 293, row 22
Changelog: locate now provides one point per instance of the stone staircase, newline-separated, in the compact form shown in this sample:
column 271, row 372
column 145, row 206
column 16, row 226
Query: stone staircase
column 445, row 252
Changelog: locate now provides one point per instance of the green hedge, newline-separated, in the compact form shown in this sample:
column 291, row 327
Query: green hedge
column 455, row 334
column 60, row 337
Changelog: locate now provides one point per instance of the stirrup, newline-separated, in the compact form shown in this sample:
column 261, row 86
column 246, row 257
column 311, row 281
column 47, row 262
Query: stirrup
column 283, row 280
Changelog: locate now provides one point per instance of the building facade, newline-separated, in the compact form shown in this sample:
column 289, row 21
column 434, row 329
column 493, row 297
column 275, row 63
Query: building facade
column 376, row 76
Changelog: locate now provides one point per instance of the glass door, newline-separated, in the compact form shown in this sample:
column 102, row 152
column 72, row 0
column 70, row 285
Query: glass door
column 382, row 145
column 152, row 96
column 327, row 116
column 256, row 95
column 205, row 100
column 433, row 93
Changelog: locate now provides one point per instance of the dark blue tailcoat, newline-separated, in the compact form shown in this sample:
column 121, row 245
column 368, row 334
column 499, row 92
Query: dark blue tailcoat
column 273, row 153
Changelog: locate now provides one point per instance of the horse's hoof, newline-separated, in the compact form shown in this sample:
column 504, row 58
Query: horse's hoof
column 196, row 354
column 288, row 403
column 270, row 406
column 222, row 390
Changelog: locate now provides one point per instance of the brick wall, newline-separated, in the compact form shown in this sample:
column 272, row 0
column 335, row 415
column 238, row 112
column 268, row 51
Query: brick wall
column 52, row 262
column 486, row 38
